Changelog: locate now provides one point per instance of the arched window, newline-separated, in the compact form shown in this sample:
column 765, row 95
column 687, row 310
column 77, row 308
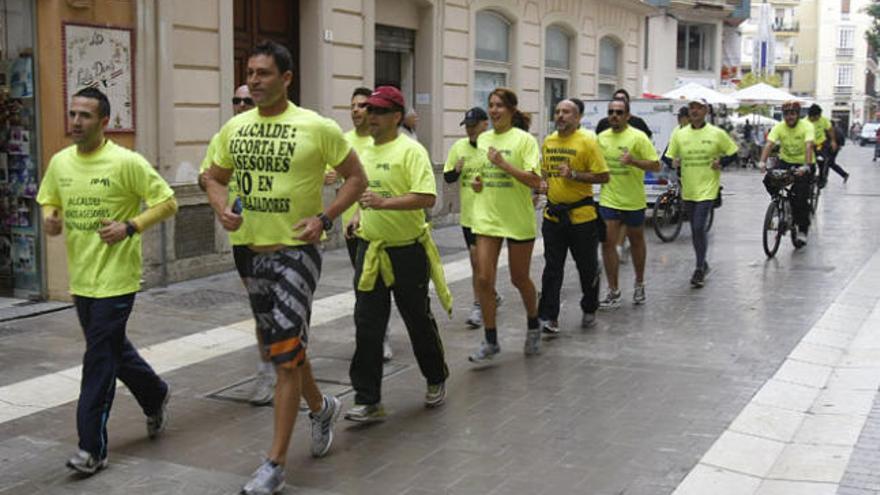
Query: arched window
column 492, row 54
column 609, row 67
column 557, row 71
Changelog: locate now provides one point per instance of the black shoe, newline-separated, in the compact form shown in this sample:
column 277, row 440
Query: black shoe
column 845, row 178
column 698, row 279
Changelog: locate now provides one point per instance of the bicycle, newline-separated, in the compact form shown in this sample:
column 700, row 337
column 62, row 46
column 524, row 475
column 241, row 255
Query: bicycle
column 669, row 211
column 778, row 219
column 816, row 184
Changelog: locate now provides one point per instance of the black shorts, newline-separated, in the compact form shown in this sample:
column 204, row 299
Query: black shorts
column 281, row 287
column 469, row 237
column 243, row 259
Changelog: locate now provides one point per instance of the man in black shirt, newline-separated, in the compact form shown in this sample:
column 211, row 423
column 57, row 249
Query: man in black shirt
column 638, row 123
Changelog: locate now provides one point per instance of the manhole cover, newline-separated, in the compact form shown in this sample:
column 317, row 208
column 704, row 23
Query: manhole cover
column 331, row 373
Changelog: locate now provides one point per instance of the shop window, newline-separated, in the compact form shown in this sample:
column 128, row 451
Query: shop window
column 557, row 71
column 20, row 267
column 610, row 52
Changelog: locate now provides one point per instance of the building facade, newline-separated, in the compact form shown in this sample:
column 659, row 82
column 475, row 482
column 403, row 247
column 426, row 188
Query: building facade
column 786, row 27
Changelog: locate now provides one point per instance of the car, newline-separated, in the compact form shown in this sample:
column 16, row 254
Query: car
column 869, row 133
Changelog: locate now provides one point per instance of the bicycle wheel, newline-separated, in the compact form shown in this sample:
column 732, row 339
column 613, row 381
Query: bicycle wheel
column 710, row 220
column 774, row 228
column 667, row 216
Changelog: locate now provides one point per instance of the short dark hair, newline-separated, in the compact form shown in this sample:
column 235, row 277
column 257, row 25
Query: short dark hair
column 361, row 91
column 279, row 53
column 578, row 103
column 684, row 112
column 814, row 110
column 625, row 94
column 96, row 94
column 625, row 103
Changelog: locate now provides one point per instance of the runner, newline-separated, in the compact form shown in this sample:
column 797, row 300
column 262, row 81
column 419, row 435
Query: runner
column 826, row 144
column 572, row 163
column 700, row 150
column 93, row 191
column 635, row 122
column 464, row 162
column 503, row 210
column 278, row 154
column 795, row 139
column 628, row 153
column 396, row 255
column 264, row 386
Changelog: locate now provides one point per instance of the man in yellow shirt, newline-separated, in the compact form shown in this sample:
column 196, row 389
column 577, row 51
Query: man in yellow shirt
column 700, row 150
column 278, row 155
column 628, row 153
column 795, row 138
column 826, row 145
column 571, row 164
column 393, row 236
column 92, row 191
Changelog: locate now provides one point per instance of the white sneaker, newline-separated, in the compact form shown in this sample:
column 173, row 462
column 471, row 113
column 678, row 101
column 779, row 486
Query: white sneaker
column 476, row 319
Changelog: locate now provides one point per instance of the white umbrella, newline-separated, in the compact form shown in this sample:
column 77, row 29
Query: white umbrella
column 753, row 119
column 693, row 90
column 763, row 94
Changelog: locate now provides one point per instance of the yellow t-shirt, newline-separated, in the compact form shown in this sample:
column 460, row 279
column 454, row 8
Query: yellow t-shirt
column 474, row 160
column 504, row 208
column 394, row 169
column 587, row 133
column 108, row 183
column 359, row 143
column 625, row 190
column 583, row 155
column 821, row 126
column 238, row 237
column 793, row 141
column 698, row 148
column 279, row 167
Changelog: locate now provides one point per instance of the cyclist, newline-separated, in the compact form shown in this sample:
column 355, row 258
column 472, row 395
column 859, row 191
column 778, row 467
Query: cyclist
column 795, row 139
column 700, row 150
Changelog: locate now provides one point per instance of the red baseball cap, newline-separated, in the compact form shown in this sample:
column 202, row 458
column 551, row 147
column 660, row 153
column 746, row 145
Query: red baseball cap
column 386, row 97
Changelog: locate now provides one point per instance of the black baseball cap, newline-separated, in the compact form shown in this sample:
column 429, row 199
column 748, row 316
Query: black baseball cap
column 473, row 116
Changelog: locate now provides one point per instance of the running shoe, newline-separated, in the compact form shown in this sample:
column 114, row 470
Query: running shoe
column 264, row 388
column 322, row 425
column 85, row 463
column 532, row 345
column 611, row 301
column 268, row 479
column 800, row 240
column 366, row 413
column 698, row 279
column 588, row 320
column 476, row 318
column 156, row 422
column 549, row 327
column 485, row 353
column 639, row 294
column 435, row 395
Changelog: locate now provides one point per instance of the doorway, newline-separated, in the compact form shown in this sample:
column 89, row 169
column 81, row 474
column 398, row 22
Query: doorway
column 395, row 60
column 258, row 20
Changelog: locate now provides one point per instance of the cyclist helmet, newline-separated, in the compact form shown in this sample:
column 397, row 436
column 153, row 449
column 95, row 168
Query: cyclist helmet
column 791, row 105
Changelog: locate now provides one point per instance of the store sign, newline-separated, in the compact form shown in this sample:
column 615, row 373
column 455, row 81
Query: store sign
column 102, row 57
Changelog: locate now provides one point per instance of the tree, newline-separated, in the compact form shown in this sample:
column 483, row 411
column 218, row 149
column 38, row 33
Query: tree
column 872, row 35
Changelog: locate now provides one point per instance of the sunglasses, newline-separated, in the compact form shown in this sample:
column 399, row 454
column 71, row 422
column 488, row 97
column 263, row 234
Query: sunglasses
column 616, row 112
column 243, row 101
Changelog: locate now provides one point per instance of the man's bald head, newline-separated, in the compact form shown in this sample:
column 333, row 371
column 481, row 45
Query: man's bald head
column 567, row 117
column 241, row 101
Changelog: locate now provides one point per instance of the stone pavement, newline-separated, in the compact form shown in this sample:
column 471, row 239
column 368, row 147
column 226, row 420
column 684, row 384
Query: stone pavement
column 631, row 406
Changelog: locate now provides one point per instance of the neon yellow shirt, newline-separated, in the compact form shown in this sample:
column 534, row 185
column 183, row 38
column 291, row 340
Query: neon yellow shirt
column 108, row 183
column 582, row 154
column 821, row 126
column 394, row 169
column 474, row 159
column 279, row 167
column 625, row 190
column 587, row 133
column 238, row 237
column 359, row 143
column 697, row 149
column 793, row 141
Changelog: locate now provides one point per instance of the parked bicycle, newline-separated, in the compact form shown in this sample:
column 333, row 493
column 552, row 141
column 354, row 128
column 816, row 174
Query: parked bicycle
column 669, row 211
column 778, row 221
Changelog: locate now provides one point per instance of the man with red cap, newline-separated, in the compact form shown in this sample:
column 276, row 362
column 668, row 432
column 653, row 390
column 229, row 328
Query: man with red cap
column 395, row 255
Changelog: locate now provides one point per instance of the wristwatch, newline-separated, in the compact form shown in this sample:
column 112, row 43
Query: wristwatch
column 326, row 222
column 130, row 228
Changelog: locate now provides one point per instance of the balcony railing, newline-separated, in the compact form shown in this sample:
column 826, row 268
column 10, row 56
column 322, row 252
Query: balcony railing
column 786, row 26
column 845, row 52
column 843, row 90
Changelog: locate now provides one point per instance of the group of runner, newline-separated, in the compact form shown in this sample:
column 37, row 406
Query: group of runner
column 264, row 173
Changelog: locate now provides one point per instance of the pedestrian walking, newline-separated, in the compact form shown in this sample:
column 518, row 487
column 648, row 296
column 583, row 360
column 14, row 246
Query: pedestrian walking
column 92, row 192
column 826, row 146
column 622, row 202
column 277, row 154
column 572, row 163
column 396, row 255
column 700, row 150
column 504, row 211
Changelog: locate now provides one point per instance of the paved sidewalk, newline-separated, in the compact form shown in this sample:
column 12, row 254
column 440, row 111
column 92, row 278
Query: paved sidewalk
column 628, row 407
